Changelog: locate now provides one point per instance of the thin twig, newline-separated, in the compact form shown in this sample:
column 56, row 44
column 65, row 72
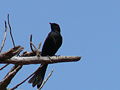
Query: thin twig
column 3, row 41
column 9, row 76
column 10, row 53
column 7, row 79
column 49, row 75
column 4, row 66
column 39, row 45
column 38, row 53
column 11, row 31
column 35, row 50
column 31, row 44
column 22, row 82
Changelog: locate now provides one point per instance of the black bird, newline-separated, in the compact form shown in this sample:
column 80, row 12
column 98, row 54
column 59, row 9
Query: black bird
column 50, row 47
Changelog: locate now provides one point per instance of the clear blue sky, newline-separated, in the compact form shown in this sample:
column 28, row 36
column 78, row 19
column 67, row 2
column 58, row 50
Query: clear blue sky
column 90, row 28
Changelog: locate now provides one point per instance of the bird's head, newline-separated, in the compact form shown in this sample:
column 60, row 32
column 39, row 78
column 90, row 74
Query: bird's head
column 55, row 27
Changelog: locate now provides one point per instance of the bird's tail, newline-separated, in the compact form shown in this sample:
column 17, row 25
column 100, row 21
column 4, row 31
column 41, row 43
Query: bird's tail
column 38, row 77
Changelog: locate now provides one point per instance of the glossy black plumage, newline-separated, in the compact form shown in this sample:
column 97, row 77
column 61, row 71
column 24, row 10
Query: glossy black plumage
column 50, row 47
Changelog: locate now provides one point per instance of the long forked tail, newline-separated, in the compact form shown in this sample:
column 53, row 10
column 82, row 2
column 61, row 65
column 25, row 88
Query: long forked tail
column 38, row 77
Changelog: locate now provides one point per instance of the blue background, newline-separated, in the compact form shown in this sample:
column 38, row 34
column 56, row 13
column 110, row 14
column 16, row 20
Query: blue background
column 90, row 28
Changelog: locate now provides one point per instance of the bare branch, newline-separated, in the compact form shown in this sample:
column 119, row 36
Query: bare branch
column 24, row 80
column 31, row 43
column 4, row 66
column 3, row 41
column 11, row 31
column 21, row 82
column 29, row 77
column 24, row 55
column 36, row 51
column 39, row 60
column 33, row 46
column 9, row 54
column 6, row 81
column 39, row 45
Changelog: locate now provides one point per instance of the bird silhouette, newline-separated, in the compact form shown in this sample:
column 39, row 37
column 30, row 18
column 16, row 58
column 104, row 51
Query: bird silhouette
column 50, row 47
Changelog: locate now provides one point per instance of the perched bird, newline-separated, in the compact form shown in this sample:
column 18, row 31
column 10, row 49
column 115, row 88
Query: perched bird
column 50, row 47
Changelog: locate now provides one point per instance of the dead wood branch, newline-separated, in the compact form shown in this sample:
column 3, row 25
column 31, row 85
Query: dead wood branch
column 21, row 82
column 6, row 81
column 31, row 44
column 9, row 54
column 39, row 60
column 35, row 50
column 4, row 38
column 25, row 54
column 11, row 31
column 4, row 66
